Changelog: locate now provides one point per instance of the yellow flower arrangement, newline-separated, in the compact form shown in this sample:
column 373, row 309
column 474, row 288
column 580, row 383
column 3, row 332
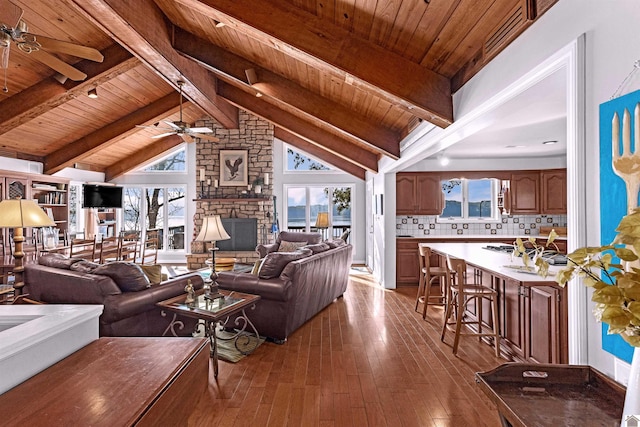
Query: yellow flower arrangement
column 616, row 284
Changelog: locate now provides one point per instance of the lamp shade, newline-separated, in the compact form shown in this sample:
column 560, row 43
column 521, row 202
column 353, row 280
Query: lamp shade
column 212, row 230
column 322, row 221
column 23, row 213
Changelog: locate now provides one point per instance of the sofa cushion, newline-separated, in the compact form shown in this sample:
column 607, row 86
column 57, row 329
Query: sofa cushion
column 57, row 261
column 84, row 266
column 334, row 243
column 286, row 246
column 127, row 275
column 153, row 273
column 275, row 262
column 317, row 248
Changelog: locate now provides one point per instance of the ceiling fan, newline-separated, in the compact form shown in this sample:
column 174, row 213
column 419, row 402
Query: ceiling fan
column 14, row 29
column 181, row 128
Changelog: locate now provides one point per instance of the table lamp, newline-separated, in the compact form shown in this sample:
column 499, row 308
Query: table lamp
column 17, row 214
column 322, row 222
column 212, row 231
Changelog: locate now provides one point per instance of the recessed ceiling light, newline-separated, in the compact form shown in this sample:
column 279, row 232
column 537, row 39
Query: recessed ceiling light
column 549, row 142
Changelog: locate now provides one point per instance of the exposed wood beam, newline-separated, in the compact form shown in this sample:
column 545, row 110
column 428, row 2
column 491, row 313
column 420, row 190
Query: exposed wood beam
column 297, row 126
column 320, row 153
column 232, row 68
column 320, row 44
column 102, row 138
column 133, row 161
column 48, row 94
column 142, row 28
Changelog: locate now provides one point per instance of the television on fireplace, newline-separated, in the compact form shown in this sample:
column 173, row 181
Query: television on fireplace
column 101, row 196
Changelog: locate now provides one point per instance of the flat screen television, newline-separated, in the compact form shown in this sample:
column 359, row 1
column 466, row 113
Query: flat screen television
column 101, row 196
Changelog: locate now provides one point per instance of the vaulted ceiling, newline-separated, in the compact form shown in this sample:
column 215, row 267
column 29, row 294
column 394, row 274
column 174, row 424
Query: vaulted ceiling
column 344, row 80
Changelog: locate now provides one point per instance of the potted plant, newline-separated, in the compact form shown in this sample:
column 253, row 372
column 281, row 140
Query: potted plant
column 257, row 185
column 613, row 271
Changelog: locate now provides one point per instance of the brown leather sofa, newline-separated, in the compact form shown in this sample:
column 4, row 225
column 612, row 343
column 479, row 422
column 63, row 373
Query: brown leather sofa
column 311, row 278
column 129, row 305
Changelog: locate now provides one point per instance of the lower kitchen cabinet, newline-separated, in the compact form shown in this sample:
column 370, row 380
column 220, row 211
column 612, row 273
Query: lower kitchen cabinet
column 533, row 322
column 407, row 264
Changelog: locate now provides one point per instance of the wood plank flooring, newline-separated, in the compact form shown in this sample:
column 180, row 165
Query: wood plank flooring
column 366, row 360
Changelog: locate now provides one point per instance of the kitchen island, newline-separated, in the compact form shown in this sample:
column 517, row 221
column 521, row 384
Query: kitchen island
column 532, row 309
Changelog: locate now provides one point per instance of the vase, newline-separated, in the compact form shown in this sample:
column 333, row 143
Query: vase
column 632, row 398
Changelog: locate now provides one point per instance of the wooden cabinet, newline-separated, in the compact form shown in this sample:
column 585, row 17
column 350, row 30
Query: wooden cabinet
column 107, row 222
column 512, row 318
column 554, row 191
column 407, row 264
column 525, row 192
column 543, row 324
column 418, row 194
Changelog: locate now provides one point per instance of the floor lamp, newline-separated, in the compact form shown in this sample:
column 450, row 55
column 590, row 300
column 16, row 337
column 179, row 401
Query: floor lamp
column 17, row 214
column 212, row 231
column 322, row 222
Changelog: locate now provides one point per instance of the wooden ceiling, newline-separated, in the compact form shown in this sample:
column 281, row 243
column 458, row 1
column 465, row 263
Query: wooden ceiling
column 344, row 80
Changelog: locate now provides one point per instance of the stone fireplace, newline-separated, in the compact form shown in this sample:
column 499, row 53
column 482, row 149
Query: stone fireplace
column 244, row 213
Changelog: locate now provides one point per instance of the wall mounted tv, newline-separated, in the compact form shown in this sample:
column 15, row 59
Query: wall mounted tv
column 101, row 196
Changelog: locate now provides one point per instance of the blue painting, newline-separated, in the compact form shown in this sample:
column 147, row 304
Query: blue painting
column 618, row 120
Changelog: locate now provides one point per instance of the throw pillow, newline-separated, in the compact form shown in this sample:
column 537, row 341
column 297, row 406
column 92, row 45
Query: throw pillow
column 334, row 243
column 85, row 266
column 275, row 262
column 317, row 248
column 57, row 261
column 290, row 246
column 127, row 275
column 153, row 273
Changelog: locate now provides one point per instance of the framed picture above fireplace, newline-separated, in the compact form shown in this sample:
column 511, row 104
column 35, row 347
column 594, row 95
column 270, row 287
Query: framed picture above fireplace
column 233, row 168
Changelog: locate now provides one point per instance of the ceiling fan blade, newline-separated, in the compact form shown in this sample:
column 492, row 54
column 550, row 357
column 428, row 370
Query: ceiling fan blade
column 187, row 138
column 156, row 128
column 162, row 135
column 58, row 65
column 209, row 138
column 10, row 14
column 173, row 125
column 201, row 130
column 73, row 49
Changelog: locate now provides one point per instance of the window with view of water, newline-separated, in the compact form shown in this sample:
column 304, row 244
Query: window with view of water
column 469, row 199
column 304, row 203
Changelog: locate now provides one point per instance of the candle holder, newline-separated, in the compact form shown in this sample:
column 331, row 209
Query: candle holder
column 202, row 195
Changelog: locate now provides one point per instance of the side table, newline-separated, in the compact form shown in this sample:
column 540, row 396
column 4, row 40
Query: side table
column 215, row 313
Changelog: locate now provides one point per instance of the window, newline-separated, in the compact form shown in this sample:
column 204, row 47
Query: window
column 305, row 203
column 299, row 162
column 470, row 199
column 174, row 162
column 156, row 208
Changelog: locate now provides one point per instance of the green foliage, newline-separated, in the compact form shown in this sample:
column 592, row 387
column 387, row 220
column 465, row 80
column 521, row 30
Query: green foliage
column 341, row 198
column 616, row 285
column 299, row 160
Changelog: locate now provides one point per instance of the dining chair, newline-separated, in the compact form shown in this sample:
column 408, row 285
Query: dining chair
column 150, row 248
column 110, row 249
column 84, row 248
column 129, row 245
column 460, row 294
column 428, row 275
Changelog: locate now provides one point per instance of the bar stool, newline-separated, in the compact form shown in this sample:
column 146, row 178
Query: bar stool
column 427, row 275
column 460, row 294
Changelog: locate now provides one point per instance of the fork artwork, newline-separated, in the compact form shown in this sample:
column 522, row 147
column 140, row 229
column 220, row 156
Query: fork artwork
column 627, row 164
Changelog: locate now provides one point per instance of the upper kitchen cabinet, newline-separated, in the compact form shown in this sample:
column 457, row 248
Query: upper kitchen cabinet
column 525, row 192
column 554, row 191
column 418, row 194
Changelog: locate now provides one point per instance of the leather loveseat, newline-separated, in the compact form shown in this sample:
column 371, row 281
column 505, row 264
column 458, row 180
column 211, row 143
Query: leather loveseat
column 129, row 300
column 294, row 285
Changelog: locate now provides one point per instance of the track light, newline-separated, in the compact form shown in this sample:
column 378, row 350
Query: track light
column 218, row 24
column 93, row 93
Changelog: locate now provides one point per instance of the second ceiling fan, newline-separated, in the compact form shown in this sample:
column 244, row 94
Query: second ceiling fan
column 182, row 129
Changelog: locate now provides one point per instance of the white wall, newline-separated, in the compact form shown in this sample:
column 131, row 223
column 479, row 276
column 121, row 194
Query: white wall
column 611, row 41
column 358, row 208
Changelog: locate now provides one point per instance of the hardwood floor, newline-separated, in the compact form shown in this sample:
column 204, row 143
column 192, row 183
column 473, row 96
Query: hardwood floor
column 366, row 360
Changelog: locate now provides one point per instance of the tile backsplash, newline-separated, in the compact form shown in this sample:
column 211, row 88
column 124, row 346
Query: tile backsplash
column 511, row 225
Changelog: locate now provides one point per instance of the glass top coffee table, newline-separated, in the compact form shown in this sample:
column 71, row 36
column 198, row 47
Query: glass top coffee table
column 215, row 313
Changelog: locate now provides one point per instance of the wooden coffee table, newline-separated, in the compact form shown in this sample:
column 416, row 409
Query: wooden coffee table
column 215, row 313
